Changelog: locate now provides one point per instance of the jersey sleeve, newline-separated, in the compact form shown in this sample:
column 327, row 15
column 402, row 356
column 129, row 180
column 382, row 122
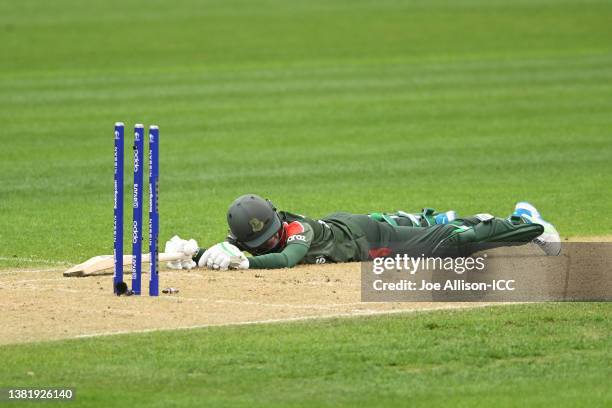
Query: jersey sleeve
column 299, row 233
column 299, row 238
column 290, row 256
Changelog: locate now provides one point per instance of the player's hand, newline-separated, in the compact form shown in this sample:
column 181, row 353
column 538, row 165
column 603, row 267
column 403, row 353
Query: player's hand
column 177, row 244
column 187, row 247
column 187, row 264
column 224, row 256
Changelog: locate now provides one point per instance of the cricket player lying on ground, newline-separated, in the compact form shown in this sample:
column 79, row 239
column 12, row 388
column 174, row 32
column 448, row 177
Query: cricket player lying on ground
column 280, row 239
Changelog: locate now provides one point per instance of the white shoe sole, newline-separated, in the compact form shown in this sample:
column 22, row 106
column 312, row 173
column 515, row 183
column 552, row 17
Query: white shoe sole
column 550, row 243
column 549, row 240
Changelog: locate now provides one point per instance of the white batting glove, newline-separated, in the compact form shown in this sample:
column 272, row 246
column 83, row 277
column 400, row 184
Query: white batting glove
column 188, row 264
column 179, row 264
column 177, row 244
column 224, row 256
column 189, row 248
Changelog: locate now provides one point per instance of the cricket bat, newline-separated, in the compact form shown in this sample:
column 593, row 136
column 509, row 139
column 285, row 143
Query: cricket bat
column 100, row 265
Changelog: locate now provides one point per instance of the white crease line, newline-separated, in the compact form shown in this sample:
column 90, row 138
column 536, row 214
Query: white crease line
column 43, row 261
column 178, row 299
column 8, row 283
column 286, row 320
column 18, row 271
column 282, row 305
column 253, row 303
column 328, row 305
column 171, row 274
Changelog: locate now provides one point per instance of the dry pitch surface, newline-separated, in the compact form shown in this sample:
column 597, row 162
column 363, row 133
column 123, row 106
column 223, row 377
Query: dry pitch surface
column 43, row 305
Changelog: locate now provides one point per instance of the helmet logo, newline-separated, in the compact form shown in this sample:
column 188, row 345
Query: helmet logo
column 256, row 224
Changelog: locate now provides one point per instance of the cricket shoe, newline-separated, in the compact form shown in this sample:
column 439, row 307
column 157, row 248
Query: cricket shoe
column 549, row 240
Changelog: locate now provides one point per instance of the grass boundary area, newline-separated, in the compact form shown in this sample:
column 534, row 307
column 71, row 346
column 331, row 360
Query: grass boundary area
column 368, row 313
column 515, row 355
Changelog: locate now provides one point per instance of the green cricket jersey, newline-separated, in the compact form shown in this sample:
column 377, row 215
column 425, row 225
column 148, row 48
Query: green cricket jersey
column 309, row 241
column 344, row 237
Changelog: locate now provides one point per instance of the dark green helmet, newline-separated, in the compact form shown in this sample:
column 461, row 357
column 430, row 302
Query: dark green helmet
column 252, row 220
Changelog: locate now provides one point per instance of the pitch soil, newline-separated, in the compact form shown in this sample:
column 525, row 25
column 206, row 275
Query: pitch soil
column 41, row 304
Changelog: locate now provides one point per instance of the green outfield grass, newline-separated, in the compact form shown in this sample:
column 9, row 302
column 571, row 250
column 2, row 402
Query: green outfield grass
column 528, row 355
column 320, row 105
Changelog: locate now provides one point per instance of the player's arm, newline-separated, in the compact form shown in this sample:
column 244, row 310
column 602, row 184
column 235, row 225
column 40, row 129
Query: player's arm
column 299, row 239
column 289, row 257
column 227, row 256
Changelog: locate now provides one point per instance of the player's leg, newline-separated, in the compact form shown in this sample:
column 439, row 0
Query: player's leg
column 384, row 239
column 462, row 240
column 470, row 235
column 387, row 239
column 419, row 241
column 524, row 213
column 426, row 218
column 490, row 233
